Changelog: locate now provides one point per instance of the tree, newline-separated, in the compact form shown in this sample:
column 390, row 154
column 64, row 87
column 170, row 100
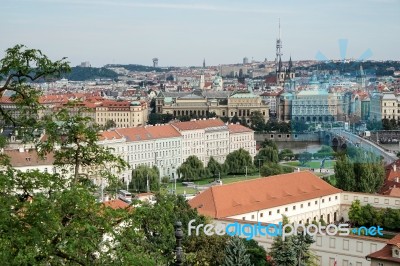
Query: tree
column 214, row 168
column 269, row 168
column 235, row 119
column 256, row 252
column 267, row 155
column 109, row 124
column 355, row 213
column 299, row 126
column 236, row 253
column 257, row 121
column 325, row 151
column 192, row 169
column 344, row 174
column 19, row 66
column 304, row 158
column 285, row 154
column 52, row 218
column 269, row 143
column 143, row 175
column 238, row 161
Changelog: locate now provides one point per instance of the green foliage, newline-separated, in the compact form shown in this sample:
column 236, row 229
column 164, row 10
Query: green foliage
column 90, row 73
column 19, row 66
column 367, row 215
column 294, row 250
column 235, row 119
column 299, row 126
column 237, row 161
column 269, row 168
column 257, row 121
column 141, row 174
column 269, row 143
column 192, row 169
column 214, row 168
column 109, row 124
column 344, row 174
column 304, row 158
column 155, row 118
column 359, row 171
column 324, row 152
column 285, row 154
column 266, row 155
column 277, row 126
column 236, row 253
column 256, row 252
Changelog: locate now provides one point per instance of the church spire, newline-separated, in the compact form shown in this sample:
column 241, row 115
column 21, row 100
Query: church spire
column 204, row 63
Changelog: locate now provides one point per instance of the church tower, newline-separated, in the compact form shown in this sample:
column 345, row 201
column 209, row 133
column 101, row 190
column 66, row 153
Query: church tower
column 280, row 74
column 204, row 63
column 361, row 78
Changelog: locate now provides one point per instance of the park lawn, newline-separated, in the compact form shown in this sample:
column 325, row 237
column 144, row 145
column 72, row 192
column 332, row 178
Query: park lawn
column 181, row 189
column 329, row 164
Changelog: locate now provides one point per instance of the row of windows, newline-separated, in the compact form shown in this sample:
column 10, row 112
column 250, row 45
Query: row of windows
column 293, row 207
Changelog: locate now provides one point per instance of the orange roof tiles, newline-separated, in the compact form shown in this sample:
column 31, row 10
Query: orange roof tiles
column 262, row 193
column 28, row 158
column 237, row 128
column 141, row 133
column 198, row 124
column 386, row 252
column 116, row 204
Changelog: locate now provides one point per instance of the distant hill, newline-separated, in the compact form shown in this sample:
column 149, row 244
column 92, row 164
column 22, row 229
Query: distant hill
column 385, row 68
column 90, row 73
column 141, row 68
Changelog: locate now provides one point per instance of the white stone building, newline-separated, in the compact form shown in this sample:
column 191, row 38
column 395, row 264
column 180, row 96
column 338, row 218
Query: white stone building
column 303, row 197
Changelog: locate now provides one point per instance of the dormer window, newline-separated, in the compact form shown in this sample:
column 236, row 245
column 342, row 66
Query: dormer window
column 395, row 252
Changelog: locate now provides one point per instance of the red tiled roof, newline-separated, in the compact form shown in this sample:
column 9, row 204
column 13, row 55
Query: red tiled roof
column 237, row 128
column 141, row 133
column 116, row 204
column 262, row 193
column 198, row 124
column 385, row 253
column 28, row 158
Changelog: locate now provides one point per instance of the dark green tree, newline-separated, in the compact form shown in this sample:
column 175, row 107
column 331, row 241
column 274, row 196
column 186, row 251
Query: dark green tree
column 109, row 124
column 267, row 155
column 268, row 169
column 214, row 168
column 143, row 174
column 236, row 253
column 235, row 119
column 304, row 158
column 285, row 154
column 257, row 121
column 344, row 174
column 256, row 252
column 192, row 169
column 238, row 161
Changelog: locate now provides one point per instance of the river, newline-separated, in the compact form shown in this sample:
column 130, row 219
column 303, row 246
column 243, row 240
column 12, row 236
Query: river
column 299, row 147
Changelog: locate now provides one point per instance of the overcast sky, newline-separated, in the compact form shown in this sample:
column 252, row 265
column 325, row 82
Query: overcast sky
column 183, row 32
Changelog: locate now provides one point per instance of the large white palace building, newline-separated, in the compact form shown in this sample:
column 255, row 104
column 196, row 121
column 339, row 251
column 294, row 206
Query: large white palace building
column 302, row 197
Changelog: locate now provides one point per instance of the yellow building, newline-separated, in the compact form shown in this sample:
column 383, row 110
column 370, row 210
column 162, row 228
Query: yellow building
column 202, row 103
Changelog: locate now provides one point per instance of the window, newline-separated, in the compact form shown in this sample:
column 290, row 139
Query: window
column 270, row 213
column 316, row 202
column 309, row 204
column 278, row 211
column 335, row 197
column 301, row 205
column 286, row 209
column 323, row 200
column 261, row 215
column 243, row 218
column 329, row 198
column 294, row 207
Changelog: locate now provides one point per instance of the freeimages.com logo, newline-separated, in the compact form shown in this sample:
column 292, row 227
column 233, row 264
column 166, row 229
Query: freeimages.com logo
column 249, row 231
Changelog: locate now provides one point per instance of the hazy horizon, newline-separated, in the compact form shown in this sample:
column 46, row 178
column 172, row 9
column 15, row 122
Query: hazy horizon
column 183, row 33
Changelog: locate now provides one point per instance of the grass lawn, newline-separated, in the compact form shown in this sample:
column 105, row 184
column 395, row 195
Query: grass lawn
column 181, row 189
column 329, row 164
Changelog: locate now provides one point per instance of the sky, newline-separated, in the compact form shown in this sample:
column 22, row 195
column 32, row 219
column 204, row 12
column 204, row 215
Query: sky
column 184, row 32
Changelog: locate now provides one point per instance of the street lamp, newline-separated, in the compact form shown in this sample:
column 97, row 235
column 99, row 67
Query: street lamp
column 259, row 166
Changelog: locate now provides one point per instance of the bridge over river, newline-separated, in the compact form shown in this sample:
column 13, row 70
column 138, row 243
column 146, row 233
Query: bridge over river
column 341, row 138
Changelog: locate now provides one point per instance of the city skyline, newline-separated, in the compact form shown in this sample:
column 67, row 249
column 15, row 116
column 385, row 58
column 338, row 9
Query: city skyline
column 183, row 33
